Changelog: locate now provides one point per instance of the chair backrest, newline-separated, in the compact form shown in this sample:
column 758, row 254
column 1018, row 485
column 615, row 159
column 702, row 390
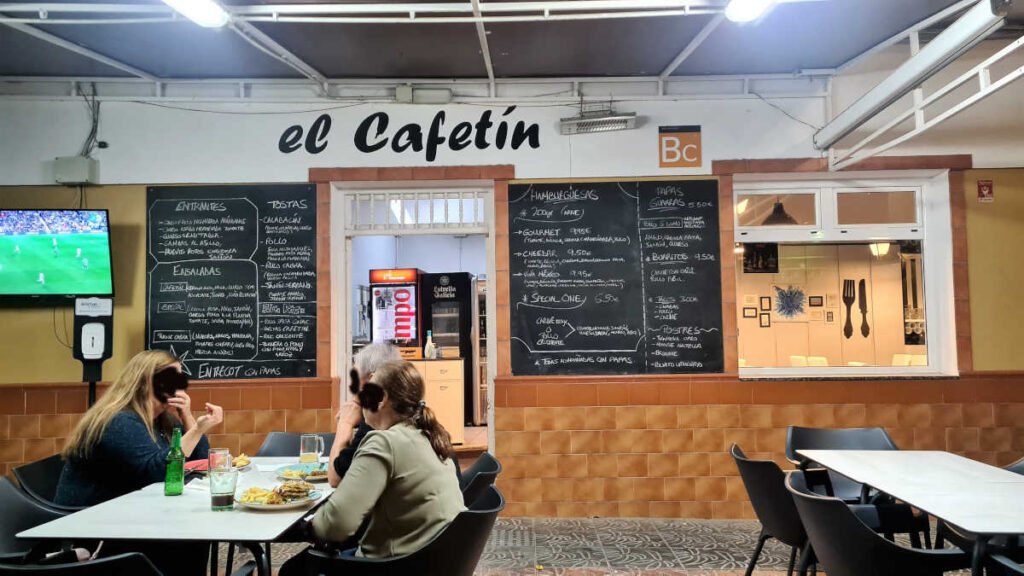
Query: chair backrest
column 766, row 486
column 287, row 443
column 454, row 552
column 801, row 438
column 132, row 564
column 1016, row 467
column 478, row 477
column 19, row 512
column 39, row 478
column 844, row 545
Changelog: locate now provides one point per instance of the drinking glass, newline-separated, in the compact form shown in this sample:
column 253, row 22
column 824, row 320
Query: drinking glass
column 311, row 447
column 219, row 458
column 222, row 488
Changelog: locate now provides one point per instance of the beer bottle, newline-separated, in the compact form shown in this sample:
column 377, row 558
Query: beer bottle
column 174, row 482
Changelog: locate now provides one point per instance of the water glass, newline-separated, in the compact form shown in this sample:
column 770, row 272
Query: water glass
column 311, row 447
column 220, row 458
column 222, row 488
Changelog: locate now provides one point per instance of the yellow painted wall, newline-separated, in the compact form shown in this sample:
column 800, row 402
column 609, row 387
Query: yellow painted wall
column 995, row 240
column 29, row 351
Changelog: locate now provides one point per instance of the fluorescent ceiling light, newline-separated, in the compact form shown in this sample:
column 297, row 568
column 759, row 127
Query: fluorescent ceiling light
column 206, row 13
column 747, row 10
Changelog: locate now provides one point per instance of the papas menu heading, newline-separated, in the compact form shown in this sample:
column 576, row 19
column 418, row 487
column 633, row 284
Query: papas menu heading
column 377, row 132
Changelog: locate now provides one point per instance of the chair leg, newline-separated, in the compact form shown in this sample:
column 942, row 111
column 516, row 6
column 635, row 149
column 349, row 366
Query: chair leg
column 927, row 533
column 806, row 559
column 792, row 561
column 214, row 549
column 915, row 540
column 757, row 551
column 231, row 557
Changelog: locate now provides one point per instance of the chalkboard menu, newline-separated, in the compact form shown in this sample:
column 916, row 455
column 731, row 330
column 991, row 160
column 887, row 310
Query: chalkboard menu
column 615, row 277
column 231, row 279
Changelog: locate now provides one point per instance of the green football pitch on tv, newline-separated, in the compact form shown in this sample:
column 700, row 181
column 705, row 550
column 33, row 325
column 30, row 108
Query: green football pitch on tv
column 64, row 270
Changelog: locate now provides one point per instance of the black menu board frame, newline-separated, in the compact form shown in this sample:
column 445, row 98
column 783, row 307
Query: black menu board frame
column 615, row 277
column 231, row 279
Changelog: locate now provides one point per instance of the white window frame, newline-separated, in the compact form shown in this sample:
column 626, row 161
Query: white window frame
column 934, row 229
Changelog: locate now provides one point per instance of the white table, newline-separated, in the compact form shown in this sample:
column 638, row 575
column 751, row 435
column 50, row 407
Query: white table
column 979, row 498
column 147, row 514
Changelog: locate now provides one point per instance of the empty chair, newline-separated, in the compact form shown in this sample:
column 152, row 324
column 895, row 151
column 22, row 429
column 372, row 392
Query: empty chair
column 475, row 479
column 801, row 438
column 287, row 444
column 799, row 361
column 817, row 361
column 39, row 480
column 20, row 512
column 845, row 546
column 1006, row 565
column 766, row 486
column 901, row 359
column 454, row 552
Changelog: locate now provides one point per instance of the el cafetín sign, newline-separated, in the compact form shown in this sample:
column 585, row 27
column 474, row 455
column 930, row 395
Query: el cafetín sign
column 377, row 132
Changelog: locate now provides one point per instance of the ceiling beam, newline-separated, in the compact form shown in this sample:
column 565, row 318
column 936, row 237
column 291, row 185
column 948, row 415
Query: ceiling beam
column 692, row 46
column 903, row 35
column 269, row 46
column 81, row 50
column 485, row 50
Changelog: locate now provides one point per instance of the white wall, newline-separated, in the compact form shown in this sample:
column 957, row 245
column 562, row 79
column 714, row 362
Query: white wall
column 428, row 253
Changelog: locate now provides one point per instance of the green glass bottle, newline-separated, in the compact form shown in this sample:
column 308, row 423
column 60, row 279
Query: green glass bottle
column 174, row 482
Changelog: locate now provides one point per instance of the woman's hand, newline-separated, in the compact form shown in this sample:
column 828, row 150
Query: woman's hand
column 214, row 415
column 350, row 415
column 182, row 406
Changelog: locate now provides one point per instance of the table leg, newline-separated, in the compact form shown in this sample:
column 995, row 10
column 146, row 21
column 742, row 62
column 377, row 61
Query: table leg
column 214, row 552
column 865, row 493
column 262, row 559
column 978, row 557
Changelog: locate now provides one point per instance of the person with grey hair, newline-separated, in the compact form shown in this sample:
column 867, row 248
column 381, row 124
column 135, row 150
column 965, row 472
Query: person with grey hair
column 351, row 429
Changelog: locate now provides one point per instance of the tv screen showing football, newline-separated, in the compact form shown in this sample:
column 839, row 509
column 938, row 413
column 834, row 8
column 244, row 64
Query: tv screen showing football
column 55, row 253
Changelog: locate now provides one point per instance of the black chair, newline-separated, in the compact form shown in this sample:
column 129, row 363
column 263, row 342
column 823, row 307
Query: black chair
column 19, row 512
column 837, row 485
column 1000, row 564
column 287, row 444
column 454, row 552
column 477, row 478
column 766, row 486
column 39, row 480
column 846, row 546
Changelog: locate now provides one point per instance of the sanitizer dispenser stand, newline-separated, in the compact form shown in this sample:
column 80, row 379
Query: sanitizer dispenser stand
column 94, row 327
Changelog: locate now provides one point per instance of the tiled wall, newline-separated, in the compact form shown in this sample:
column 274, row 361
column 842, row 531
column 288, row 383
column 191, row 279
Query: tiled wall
column 661, row 450
column 36, row 420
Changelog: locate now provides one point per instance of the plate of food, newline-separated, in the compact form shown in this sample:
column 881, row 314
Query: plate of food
column 242, row 463
column 285, row 496
column 307, row 472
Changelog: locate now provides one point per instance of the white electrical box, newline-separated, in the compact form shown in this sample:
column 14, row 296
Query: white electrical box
column 71, row 170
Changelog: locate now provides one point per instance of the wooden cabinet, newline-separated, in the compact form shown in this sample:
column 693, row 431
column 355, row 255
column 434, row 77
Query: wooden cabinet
column 443, row 380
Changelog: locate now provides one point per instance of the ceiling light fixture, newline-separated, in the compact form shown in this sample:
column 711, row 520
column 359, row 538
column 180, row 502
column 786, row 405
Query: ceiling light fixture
column 206, row 13
column 779, row 216
column 879, row 249
column 597, row 117
column 747, row 10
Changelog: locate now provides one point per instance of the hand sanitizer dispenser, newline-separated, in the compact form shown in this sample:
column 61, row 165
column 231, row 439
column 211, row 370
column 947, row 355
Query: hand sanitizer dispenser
column 94, row 327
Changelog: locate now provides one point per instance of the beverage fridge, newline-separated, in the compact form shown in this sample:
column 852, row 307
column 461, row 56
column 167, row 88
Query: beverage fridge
column 450, row 311
column 394, row 312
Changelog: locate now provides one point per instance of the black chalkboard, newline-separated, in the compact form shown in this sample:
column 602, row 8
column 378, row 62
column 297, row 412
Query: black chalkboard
column 615, row 278
column 231, row 279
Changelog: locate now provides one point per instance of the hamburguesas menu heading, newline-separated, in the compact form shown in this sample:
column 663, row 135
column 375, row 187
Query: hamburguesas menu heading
column 615, row 277
column 231, row 279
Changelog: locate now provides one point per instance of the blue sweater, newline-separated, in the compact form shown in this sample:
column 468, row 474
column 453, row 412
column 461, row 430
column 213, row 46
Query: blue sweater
column 124, row 460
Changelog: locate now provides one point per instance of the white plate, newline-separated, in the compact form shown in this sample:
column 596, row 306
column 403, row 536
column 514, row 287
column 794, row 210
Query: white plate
column 311, row 498
column 306, row 468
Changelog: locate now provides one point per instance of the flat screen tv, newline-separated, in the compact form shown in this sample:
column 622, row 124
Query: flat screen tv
column 49, row 254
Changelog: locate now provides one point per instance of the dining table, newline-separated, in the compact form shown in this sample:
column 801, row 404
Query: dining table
column 981, row 499
column 147, row 514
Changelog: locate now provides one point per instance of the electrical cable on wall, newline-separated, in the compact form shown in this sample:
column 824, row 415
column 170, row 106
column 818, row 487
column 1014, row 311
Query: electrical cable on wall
column 92, row 105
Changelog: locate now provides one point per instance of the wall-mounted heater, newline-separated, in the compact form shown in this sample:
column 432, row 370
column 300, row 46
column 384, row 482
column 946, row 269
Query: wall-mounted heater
column 597, row 117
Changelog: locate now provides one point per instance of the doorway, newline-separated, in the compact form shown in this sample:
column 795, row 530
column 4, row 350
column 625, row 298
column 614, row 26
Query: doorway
column 386, row 216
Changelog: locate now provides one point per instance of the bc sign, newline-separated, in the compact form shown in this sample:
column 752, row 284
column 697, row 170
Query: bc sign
column 679, row 146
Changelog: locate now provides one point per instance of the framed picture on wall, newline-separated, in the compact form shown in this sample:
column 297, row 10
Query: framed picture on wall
column 766, row 303
column 830, row 317
column 750, row 312
column 761, row 258
column 815, row 301
column 766, row 320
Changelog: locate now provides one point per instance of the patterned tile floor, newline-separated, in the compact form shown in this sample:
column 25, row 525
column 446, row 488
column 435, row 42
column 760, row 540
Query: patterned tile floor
column 593, row 546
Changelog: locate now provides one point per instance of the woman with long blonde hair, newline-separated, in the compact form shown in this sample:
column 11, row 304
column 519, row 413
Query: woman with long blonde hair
column 121, row 443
